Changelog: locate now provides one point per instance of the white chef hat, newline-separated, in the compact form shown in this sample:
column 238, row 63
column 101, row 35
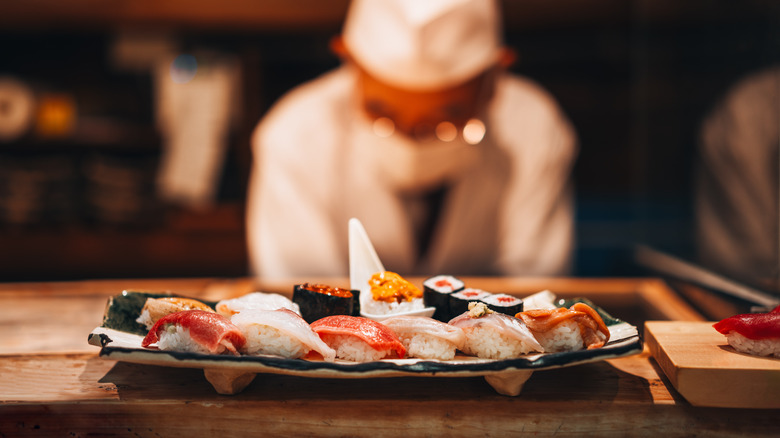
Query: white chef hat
column 423, row 44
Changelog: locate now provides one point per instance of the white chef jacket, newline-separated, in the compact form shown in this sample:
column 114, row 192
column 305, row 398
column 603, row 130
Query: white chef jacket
column 508, row 213
column 737, row 191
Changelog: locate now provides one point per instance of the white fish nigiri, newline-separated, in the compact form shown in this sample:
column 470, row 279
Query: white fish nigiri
column 493, row 335
column 426, row 337
column 280, row 332
column 255, row 301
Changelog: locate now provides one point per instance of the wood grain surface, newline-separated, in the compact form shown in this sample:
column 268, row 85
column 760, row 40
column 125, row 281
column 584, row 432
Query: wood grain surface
column 707, row 371
column 54, row 384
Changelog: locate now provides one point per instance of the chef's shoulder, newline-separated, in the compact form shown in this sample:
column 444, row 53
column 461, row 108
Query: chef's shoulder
column 530, row 118
column 307, row 112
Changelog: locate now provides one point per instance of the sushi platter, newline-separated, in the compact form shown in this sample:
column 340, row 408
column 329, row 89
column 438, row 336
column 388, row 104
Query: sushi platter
column 707, row 371
column 383, row 326
column 120, row 338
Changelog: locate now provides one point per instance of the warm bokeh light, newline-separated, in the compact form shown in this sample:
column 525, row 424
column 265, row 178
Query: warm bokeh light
column 446, row 131
column 383, row 127
column 474, row 131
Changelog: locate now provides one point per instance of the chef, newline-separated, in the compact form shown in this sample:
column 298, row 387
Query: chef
column 452, row 164
column 737, row 184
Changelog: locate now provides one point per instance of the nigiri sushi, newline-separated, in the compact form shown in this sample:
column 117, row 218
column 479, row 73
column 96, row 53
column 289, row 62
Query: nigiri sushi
column 358, row 339
column 390, row 294
column 156, row 308
column 576, row 328
column 280, row 332
column 425, row 337
column 258, row 301
column 493, row 335
column 753, row 333
column 196, row 331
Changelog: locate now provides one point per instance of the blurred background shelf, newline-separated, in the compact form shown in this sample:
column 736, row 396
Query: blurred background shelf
column 306, row 15
column 177, row 244
column 636, row 77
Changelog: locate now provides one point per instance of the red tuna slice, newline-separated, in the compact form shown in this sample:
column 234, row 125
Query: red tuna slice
column 209, row 329
column 376, row 335
column 753, row 326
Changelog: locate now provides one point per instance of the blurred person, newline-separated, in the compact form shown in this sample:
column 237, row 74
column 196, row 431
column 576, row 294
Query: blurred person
column 452, row 164
column 737, row 200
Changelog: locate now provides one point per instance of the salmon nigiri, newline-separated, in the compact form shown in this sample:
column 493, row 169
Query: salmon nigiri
column 358, row 339
column 196, row 331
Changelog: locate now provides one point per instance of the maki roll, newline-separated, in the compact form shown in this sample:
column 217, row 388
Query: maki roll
column 317, row 301
column 195, row 331
column 503, row 303
column 459, row 301
column 436, row 293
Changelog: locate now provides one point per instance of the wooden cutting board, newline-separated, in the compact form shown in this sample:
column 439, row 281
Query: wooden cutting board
column 707, row 371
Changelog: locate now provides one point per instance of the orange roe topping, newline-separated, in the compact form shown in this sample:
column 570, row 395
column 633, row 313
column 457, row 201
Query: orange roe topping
column 388, row 286
column 327, row 290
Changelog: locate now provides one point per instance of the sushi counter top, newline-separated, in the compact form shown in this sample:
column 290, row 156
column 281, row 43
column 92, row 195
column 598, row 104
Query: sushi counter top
column 55, row 384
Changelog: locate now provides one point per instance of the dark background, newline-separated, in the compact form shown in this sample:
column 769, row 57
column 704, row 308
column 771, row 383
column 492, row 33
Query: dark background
column 635, row 77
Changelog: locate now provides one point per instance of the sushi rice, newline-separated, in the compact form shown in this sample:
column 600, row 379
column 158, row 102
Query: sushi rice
column 758, row 347
column 376, row 307
column 263, row 339
column 353, row 348
column 426, row 346
column 485, row 342
column 177, row 338
column 565, row 337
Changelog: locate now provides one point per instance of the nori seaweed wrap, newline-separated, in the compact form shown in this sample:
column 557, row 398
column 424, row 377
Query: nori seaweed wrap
column 459, row 301
column 317, row 301
column 436, row 293
column 503, row 303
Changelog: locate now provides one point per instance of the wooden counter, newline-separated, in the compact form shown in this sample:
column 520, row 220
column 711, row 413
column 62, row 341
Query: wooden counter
column 54, row 384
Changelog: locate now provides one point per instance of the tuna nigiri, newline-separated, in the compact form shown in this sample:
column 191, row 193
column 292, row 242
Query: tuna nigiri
column 280, row 332
column 560, row 329
column 493, row 335
column 358, row 339
column 753, row 333
column 196, row 331
column 425, row 337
